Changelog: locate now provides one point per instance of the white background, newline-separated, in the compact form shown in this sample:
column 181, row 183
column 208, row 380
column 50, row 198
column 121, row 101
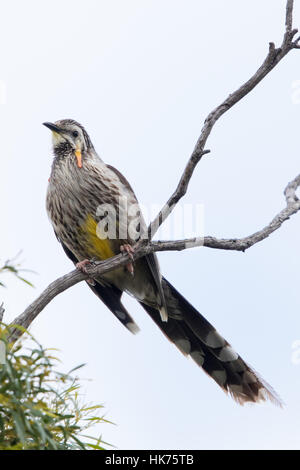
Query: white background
column 141, row 76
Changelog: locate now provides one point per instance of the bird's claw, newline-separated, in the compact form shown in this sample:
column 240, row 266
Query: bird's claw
column 81, row 266
column 126, row 248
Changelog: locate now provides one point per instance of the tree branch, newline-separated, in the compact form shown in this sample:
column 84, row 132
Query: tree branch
column 99, row 268
column 240, row 244
column 273, row 57
column 289, row 16
column 146, row 246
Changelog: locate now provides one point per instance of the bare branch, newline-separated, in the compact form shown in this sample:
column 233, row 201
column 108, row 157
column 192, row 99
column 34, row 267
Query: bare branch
column 273, row 57
column 99, row 268
column 145, row 247
column 289, row 16
column 290, row 190
column 65, row 282
column 240, row 244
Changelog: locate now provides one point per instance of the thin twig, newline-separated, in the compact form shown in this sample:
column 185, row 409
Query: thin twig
column 289, row 16
column 240, row 244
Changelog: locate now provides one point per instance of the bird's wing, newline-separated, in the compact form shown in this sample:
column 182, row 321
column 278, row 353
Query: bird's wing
column 151, row 259
column 154, row 268
column 110, row 296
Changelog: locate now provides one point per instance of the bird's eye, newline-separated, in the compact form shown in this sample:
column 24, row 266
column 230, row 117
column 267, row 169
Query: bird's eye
column 75, row 133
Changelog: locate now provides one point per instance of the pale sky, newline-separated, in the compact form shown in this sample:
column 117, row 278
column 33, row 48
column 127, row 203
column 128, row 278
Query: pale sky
column 141, row 76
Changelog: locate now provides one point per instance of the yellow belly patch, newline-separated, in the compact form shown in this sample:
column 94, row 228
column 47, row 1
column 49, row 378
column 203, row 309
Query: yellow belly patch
column 98, row 245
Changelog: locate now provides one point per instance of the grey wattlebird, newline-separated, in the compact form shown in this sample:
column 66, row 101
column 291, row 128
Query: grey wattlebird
column 85, row 199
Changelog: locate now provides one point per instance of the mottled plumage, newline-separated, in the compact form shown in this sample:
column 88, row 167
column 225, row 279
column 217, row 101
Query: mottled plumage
column 80, row 183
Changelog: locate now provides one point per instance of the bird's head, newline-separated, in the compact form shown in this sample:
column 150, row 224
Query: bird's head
column 69, row 138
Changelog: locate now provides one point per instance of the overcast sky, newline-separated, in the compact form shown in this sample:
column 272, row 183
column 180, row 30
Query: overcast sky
column 141, row 76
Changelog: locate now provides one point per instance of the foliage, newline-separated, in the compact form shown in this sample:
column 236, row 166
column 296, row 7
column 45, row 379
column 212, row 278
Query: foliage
column 10, row 266
column 41, row 408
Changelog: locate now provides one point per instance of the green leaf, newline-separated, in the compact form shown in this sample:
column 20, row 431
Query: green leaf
column 77, row 367
column 19, row 426
column 25, row 280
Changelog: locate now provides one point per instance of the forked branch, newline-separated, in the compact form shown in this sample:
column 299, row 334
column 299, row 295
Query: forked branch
column 146, row 246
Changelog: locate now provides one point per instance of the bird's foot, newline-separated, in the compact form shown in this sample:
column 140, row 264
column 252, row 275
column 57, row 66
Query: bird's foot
column 126, row 248
column 82, row 267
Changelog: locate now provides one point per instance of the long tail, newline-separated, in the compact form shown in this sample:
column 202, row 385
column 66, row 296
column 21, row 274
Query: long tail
column 197, row 338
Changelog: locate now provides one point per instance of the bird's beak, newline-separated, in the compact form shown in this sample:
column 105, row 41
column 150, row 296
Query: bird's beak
column 53, row 127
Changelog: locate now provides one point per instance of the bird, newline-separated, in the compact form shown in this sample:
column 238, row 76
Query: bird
column 95, row 216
